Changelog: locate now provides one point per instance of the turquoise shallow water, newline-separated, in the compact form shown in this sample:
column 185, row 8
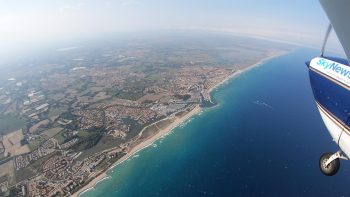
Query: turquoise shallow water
column 264, row 139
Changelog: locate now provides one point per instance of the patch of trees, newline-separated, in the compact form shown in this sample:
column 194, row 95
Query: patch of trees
column 184, row 97
column 87, row 142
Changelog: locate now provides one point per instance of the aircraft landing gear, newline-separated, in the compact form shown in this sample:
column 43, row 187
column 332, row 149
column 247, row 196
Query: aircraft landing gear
column 330, row 164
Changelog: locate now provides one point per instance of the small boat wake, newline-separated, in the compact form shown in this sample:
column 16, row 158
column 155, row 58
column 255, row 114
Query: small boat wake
column 263, row 104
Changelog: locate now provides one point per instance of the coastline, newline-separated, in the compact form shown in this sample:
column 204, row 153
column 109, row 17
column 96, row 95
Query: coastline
column 148, row 142
column 163, row 132
column 160, row 134
column 254, row 65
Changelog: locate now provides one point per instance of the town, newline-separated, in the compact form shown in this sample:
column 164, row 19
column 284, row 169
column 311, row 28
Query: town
column 65, row 122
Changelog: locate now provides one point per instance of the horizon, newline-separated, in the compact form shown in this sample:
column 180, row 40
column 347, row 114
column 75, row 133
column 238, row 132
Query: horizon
column 30, row 26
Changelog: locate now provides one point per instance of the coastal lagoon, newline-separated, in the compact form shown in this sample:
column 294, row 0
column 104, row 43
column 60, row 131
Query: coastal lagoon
column 264, row 138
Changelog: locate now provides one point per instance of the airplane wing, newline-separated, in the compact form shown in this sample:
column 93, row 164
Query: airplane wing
column 338, row 12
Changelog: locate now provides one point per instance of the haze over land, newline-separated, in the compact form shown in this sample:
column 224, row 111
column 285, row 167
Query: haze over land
column 28, row 26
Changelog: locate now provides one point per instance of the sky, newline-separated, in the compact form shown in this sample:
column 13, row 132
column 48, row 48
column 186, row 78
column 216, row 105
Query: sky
column 33, row 23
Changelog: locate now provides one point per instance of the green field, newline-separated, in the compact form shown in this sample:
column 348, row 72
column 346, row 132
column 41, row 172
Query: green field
column 9, row 123
column 59, row 137
column 34, row 144
column 49, row 133
column 85, row 134
column 55, row 111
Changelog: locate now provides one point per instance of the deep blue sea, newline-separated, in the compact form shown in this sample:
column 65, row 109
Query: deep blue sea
column 263, row 139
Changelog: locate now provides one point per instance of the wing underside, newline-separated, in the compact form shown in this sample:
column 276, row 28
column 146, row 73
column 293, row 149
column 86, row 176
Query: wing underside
column 338, row 12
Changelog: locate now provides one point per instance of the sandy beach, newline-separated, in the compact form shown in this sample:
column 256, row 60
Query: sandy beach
column 165, row 131
column 138, row 147
column 91, row 184
column 160, row 134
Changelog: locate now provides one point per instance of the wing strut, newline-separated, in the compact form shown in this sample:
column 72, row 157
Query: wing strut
column 329, row 29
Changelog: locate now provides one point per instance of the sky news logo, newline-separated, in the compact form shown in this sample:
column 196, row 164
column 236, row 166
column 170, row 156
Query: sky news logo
column 330, row 65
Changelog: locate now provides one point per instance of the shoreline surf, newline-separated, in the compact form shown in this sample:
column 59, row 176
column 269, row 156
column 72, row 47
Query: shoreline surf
column 163, row 132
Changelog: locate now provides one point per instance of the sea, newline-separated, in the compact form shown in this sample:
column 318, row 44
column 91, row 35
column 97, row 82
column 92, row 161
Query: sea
column 264, row 138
